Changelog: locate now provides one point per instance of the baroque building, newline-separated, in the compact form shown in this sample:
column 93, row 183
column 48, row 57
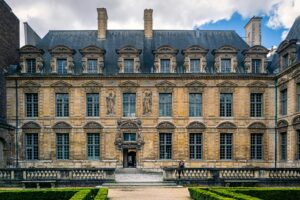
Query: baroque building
column 149, row 98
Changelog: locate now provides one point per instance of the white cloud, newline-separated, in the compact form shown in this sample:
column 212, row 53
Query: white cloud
column 43, row 15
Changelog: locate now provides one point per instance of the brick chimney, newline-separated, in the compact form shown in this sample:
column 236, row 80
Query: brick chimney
column 148, row 23
column 253, row 31
column 102, row 23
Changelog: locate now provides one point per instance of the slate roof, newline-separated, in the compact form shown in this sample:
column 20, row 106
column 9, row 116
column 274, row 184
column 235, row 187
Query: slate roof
column 116, row 39
column 294, row 32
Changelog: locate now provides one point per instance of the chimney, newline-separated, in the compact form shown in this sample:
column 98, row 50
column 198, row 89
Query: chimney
column 148, row 23
column 253, row 31
column 102, row 23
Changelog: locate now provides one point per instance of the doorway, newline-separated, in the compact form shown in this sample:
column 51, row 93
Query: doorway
column 129, row 158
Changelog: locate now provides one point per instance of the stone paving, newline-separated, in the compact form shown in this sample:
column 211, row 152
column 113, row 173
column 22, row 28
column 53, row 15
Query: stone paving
column 148, row 193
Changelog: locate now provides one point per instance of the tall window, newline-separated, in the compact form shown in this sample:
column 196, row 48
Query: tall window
column 165, row 66
column 195, row 145
column 92, row 66
column 129, row 137
column 256, row 66
column 128, row 65
column 283, row 146
column 298, row 97
column 225, row 65
column 284, row 102
column 256, row 105
column 256, row 146
column 225, row 105
column 285, row 60
column 165, row 104
column 31, row 102
column 93, row 146
column 165, row 145
column 195, row 104
column 31, row 66
column 62, row 105
column 32, row 146
column 298, row 144
column 194, row 65
column 92, row 101
column 129, row 105
column 226, row 146
column 62, row 145
column 62, row 66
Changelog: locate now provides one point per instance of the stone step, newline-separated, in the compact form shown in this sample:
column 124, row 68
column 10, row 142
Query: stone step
column 140, row 184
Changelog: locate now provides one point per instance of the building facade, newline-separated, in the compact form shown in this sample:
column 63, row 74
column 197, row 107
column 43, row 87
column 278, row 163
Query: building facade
column 149, row 98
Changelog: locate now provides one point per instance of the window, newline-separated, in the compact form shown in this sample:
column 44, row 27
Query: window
column 92, row 101
column 225, row 65
column 225, row 105
column 92, row 66
column 31, row 105
column 128, row 65
column 195, row 145
column 31, row 66
column 226, row 146
column 93, row 146
column 256, row 146
column 129, row 105
column 256, row 66
column 165, row 104
column 62, row 66
column 298, row 145
column 165, row 66
column 283, row 146
column 32, row 146
column 194, row 65
column 195, row 104
column 62, row 105
column 129, row 137
column 62, row 144
column 256, row 105
column 298, row 97
column 285, row 60
column 284, row 102
column 165, row 145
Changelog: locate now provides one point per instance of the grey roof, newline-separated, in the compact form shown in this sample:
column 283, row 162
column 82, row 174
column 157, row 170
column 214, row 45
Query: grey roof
column 116, row 39
column 294, row 32
column 31, row 37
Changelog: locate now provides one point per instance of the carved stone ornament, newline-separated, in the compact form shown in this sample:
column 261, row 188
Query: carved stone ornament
column 129, row 126
column 227, row 127
column 282, row 84
column 110, row 103
column 196, row 127
column 62, row 52
column 165, row 52
column 166, row 127
column 129, row 87
column 226, row 52
column 95, row 53
column 194, row 52
column 226, row 87
column 257, row 87
column 289, row 48
column 195, row 87
column 282, row 126
column 61, row 87
column 165, row 87
column 62, row 127
column 31, row 127
column 30, row 87
column 92, row 87
column 296, row 122
column 257, row 127
column 255, row 52
column 129, row 52
column 93, row 127
column 31, row 52
column 147, row 102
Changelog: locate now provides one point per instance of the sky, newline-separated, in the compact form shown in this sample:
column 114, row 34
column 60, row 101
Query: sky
column 44, row 15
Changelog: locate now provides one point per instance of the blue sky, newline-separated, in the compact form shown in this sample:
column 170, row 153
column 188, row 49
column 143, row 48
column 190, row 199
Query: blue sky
column 270, row 36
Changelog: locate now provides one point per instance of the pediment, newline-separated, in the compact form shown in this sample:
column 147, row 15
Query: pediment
column 31, row 125
column 31, row 49
column 92, row 49
column 196, row 125
column 91, row 84
column 165, row 49
column 165, row 84
column 195, row 84
column 129, row 124
column 285, row 44
column 256, row 49
column 30, row 84
column 93, row 125
column 62, row 125
column 227, row 84
column 195, row 49
column 257, row 125
column 61, row 49
column 165, row 125
column 128, row 84
column 128, row 50
column 282, row 124
column 225, row 49
column 296, row 122
column 257, row 84
column 227, row 125
column 61, row 84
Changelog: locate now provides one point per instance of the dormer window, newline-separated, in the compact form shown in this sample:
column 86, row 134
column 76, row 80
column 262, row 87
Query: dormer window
column 62, row 66
column 92, row 59
column 194, row 59
column 165, row 66
column 62, row 61
column 165, row 59
column 285, row 60
column 194, row 65
column 31, row 66
column 225, row 65
column 129, row 59
column 287, row 51
column 256, row 66
column 92, row 66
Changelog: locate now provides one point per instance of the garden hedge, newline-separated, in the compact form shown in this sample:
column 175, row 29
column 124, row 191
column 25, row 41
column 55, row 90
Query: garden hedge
column 232, row 194
column 202, row 194
column 102, row 194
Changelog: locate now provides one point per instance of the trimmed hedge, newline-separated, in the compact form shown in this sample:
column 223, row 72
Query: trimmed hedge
column 236, row 195
column 102, row 194
column 202, row 194
column 81, row 195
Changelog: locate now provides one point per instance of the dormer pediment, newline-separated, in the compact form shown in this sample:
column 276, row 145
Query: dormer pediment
column 165, row 49
column 92, row 49
column 225, row 49
column 62, row 49
column 31, row 49
column 257, row 49
column 129, row 50
column 195, row 49
column 285, row 44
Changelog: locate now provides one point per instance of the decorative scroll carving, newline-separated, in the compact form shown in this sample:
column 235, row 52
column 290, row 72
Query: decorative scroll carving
column 194, row 52
column 165, row 52
column 31, row 127
column 62, row 127
column 195, row 87
column 61, row 51
column 93, row 126
column 282, row 126
column 226, row 52
column 92, row 87
column 110, row 103
column 31, row 52
column 194, row 127
column 61, row 87
column 95, row 53
column 227, row 127
column 165, row 86
column 226, row 87
column 255, row 52
column 147, row 102
column 165, row 126
column 30, row 87
column 257, row 127
column 129, row 52
column 129, row 86
column 296, row 122
column 257, row 87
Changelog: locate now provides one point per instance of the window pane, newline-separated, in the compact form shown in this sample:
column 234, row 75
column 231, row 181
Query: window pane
column 92, row 66
column 194, row 65
column 225, row 105
column 31, row 66
column 31, row 146
column 195, row 105
column 92, row 101
column 128, row 65
column 225, row 146
column 283, row 143
column 165, row 65
column 129, row 137
column 93, row 146
column 62, row 140
column 129, row 104
column 256, row 146
column 62, row 66
column 256, row 105
column 31, row 104
column 165, row 104
column 165, row 146
column 62, row 105
column 256, row 66
column 225, row 65
column 284, row 102
column 196, row 146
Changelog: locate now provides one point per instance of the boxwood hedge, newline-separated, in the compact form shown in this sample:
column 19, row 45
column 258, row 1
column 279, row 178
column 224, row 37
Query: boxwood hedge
column 202, row 194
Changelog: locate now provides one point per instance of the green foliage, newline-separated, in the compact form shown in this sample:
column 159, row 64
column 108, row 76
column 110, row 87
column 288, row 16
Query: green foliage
column 82, row 195
column 228, row 193
column 202, row 194
column 102, row 194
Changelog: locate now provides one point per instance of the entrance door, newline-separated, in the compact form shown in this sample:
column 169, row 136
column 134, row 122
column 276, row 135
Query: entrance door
column 129, row 158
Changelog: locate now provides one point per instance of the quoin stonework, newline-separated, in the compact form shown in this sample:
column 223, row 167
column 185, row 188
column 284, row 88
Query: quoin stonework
column 149, row 98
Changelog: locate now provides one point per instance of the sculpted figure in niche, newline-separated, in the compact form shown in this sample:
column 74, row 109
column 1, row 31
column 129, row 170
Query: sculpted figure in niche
column 110, row 103
column 147, row 102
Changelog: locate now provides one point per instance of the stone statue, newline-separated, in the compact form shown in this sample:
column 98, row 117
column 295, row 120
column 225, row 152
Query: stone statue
column 147, row 103
column 110, row 104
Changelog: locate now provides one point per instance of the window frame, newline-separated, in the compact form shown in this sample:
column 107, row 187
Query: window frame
column 65, row 146
column 92, row 69
column 194, row 66
column 256, row 107
column 34, row 146
column 254, row 66
column 225, row 70
column 193, row 110
column 161, row 66
column 163, row 146
column 166, row 107
column 33, row 104
column 227, row 105
column 130, row 134
column 196, row 147
column 283, row 101
column 255, row 146
column 31, row 65
column 126, row 69
column 224, row 148
column 93, row 148
column 93, row 106
column 283, row 146
column 129, row 104
column 65, row 104
column 62, row 69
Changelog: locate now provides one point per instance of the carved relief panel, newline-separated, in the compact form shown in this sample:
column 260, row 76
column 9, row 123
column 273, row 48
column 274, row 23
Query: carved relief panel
column 165, row 52
column 129, row 53
column 226, row 52
column 92, row 52
column 194, row 52
column 62, row 52
column 31, row 52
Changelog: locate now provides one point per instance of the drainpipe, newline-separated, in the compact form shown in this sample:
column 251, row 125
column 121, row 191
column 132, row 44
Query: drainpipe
column 17, row 124
column 276, row 118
